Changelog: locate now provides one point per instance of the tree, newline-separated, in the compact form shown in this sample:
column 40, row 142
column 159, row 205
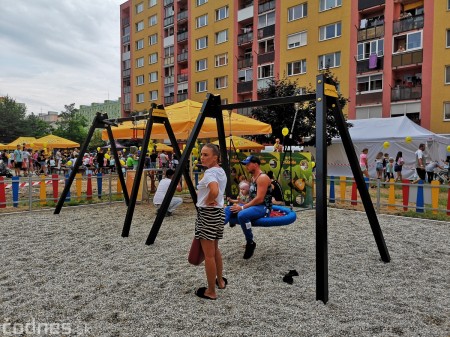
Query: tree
column 36, row 127
column 12, row 117
column 96, row 140
column 71, row 125
column 281, row 116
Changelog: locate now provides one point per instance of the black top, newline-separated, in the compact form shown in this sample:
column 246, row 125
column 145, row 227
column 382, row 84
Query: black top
column 277, row 192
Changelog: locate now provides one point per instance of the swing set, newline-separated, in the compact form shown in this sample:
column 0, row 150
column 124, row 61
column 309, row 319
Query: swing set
column 326, row 98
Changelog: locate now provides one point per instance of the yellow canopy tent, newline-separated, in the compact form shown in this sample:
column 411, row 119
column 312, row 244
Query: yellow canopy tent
column 20, row 141
column 241, row 143
column 163, row 147
column 55, row 142
column 182, row 117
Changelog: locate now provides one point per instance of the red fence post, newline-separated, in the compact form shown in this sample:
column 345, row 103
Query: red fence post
column 405, row 189
column 2, row 193
column 448, row 201
column 55, row 183
column 89, row 187
column 354, row 194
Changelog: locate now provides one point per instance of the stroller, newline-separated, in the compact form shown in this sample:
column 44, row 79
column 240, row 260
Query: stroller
column 4, row 170
column 443, row 176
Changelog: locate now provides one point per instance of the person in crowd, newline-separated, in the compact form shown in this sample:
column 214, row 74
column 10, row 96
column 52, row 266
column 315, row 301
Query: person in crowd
column 390, row 169
column 277, row 147
column 25, row 160
column 153, row 158
column 161, row 191
column 164, row 159
column 209, row 224
column 379, row 165
column 100, row 160
column 398, row 166
column 420, row 163
column 277, row 191
column 385, row 162
column 243, row 197
column 363, row 162
column 18, row 158
column 430, row 167
column 130, row 162
column 260, row 203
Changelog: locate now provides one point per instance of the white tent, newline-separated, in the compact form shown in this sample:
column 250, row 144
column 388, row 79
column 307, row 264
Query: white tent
column 372, row 133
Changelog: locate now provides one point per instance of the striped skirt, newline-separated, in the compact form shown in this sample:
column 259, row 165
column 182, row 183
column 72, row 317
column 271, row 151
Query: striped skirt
column 209, row 223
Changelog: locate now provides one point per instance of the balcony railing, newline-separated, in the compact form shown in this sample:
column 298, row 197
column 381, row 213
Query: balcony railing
column 182, row 78
column 245, row 63
column 168, row 2
column 266, row 6
column 243, row 87
column 182, row 16
column 126, row 73
column 364, row 65
column 369, row 98
column 169, row 61
column 266, row 32
column 169, row 80
column 182, row 97
column 245, row 111
column 126, row 38
column 364, row 4
column 246, row 4
column 182, row 57
column 168, row 100
column 182, row 36
column 406, row 93
column 169, row 21
column 266, row 57
column 370, row 33
column 245, row 38
column 127, row 107
column 407, row 58
column 126, row 90
column 264, row 83
column 409, row 23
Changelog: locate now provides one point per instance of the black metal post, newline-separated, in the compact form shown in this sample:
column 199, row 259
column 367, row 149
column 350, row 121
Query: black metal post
column 118, row 165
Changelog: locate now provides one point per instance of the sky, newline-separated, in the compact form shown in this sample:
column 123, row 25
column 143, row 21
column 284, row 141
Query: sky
column 55, row 53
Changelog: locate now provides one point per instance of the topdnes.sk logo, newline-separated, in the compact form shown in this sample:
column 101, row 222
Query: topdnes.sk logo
column 34, row 328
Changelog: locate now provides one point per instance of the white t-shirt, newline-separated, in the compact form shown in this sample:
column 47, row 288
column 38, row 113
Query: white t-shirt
column 419, row 155
column 161, row 191
column 212, row 174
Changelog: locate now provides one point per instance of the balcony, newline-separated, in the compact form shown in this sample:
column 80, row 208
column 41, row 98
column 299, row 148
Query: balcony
column 245, row 38
column 182, row 36
column 169, row 21
column 183, row 57
column 182, row 16
column 407, row 58
column 364, row 4
column 264, row 83
column 126, row 38
column 245, row 111
column 245, row 13
column 409, row 23
column 245, row 63
column 266, row 6
column 266, row 57
column 266, row 32
column 169, row 61
column 168, row 2
column 168, row 100
column 364, row 66
column 126, row 90
column 169, row 80
column 244, row 87
column 182, row 97
column 126, row 73
column 182, row 78
column 370, row 33
column 406, row 93
column 369, row 98
column 127, row 107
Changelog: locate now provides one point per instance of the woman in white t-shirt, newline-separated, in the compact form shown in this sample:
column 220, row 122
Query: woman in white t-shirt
column 210, row 219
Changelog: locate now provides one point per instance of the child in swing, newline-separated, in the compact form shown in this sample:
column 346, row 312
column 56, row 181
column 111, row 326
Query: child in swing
column 243, row 196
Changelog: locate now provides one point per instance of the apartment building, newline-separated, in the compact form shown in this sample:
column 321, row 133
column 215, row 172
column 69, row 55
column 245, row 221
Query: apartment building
column 111, row 107
column 174, row 50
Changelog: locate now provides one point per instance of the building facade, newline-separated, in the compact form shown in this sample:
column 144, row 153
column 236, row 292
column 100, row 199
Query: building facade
column 111, row 107
column 175, row 50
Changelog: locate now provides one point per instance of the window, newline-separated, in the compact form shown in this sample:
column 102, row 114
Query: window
column 266, row 46
column 139, row 26
column 169, row 51
column 139, row 62
column 153, row 58
column 202, row 21
column 332, row 60
column 366, row 49
column 447, row 44
column 153, row 39
column 154, row 95
column 153, row 76
column 139, row 8
column 297, row 12
column 265, row 71
column 182, row 88
column 245, row 75
column 267, row 19
column 139, row 44
column 221, row 60
column 221, row 13
column 140, row 80
column 222, row 36
column 447, row 74
column 408, row 42
column 202, row 64
column 153, row 20
column 297, row 40
column 201, row 2
column 296, row 67
column 370, row 83
column 330, row 31
column 169, row 90
column 221, row 82
column 202, row 43
column 140, row 98
column 329, row 4
column 201, row 86
column 447, row 110
column 152, row 3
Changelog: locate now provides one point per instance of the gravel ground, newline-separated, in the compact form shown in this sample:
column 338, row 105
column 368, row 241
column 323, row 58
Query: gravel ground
column 73, row 274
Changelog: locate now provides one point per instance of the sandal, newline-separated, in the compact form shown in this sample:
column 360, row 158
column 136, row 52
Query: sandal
column 200, row 292
column 224, row 280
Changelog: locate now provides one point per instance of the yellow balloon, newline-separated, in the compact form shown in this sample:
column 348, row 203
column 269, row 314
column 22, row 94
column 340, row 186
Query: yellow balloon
column 107, row 156
column 122, row 162
column 285, row 131
column 386, row 145
column 98, row 149
column 69, row 163
column 408, row 139
column 195, row 162
column 313, row 164
column 109, row 149
column 238, row 150
column 124, row 150
column 448, row 148
column 195, row 152
column 140, row 148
